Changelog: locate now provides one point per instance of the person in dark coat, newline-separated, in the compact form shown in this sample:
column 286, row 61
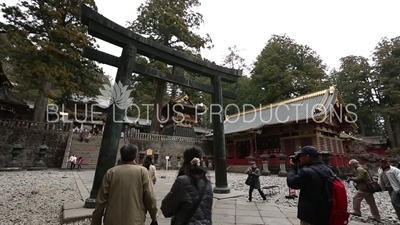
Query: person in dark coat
column 311, row 186
column 255, row 174
column 185, row 192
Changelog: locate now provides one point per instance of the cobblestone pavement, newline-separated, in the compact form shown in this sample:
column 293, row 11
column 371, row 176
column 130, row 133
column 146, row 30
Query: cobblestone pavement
column 225, row 211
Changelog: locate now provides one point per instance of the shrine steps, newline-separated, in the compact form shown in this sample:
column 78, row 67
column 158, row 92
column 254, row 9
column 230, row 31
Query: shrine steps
column 88, row 150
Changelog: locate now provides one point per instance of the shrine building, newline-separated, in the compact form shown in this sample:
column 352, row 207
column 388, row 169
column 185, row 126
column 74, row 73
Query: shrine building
column 282, row 128
column 12, row 105
column 180, row 117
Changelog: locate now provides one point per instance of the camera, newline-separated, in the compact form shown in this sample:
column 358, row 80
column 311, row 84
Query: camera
column 294, row 159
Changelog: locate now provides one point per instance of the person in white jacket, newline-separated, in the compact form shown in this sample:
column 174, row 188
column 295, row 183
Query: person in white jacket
column 72, row 160
column 389, row 180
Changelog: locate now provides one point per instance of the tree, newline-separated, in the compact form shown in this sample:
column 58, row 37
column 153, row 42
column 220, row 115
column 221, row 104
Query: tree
column 285, row 69
column 144, row 90
column 353, row 79
column 386, row 82
column 234, row 60
column 46, row 39
column 245, row 92
column 171, row 23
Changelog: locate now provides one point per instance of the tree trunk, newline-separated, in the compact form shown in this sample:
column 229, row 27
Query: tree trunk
column 397, row 133
column 39, row 113
column 160, row 90
column 158, row 104
column 174, row 91
column 389, row 131
column 361, row 127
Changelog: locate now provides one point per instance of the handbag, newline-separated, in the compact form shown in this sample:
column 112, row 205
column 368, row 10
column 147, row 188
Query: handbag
column 249, row 180
column 373, row 186
column 194, row 208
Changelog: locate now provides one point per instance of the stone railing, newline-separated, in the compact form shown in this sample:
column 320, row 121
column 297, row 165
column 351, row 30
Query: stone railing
column 159, row 137
column 67, row 151
column 64, row 127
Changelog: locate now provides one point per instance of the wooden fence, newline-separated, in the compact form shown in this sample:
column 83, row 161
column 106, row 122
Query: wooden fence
column 159, row 137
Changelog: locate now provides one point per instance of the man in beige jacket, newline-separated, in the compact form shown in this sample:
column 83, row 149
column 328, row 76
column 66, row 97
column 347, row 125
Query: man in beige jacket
column 126, row 193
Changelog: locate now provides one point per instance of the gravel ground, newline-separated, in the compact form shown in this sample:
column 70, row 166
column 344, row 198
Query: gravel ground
column 236, row 182
column 36, row 197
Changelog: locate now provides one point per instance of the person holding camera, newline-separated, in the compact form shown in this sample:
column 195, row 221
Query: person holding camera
column 362, row 178
column 301, row 176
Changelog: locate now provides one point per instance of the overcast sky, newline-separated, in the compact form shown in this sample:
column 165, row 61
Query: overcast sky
column 333, row 28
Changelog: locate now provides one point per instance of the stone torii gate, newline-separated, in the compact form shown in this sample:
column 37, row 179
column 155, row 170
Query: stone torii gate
column 132, row 43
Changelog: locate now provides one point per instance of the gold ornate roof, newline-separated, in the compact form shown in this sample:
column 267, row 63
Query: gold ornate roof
column 183, row 99
column 291, row 110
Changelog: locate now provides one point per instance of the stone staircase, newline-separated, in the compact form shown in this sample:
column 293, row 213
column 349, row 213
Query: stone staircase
column 88, row 150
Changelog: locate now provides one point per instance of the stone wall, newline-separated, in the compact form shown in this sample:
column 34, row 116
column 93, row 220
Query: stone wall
column 171, row 148
column 31, row 139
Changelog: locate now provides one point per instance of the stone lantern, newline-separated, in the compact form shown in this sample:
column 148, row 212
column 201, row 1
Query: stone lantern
column 265, row 170
column 178, row 160
column 14, row 165
column 250, row 159
column 141, row 156
column 203, row 161
column 210, row 159
column 40, row 164
column 156, row 157
column 282, row 165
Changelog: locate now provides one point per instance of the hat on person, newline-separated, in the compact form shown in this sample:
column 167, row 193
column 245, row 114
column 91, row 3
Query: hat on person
column 384, row 159
column 353, row 161
column 307, row 150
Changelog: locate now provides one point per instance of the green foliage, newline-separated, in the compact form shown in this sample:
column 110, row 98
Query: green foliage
column 144, row 88
column 46, row 39
column 353, row 79
column 394, row 152
column 285, row 69
column 243, row 88
column 171, row 23
column 234, row 60
column 373, row 88
column 4, row 47
column 196, row 96
column 386, row 81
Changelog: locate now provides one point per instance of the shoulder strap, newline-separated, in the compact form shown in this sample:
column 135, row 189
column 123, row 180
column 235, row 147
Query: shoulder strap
column 195, row 206
column 319, row 171
column 368, row 174
column 322, row 173
column 324, row 177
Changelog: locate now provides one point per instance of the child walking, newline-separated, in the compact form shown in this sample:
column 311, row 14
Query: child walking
column 79, row 161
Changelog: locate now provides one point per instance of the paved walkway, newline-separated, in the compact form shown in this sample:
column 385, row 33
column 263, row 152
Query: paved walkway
column 225, row 211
